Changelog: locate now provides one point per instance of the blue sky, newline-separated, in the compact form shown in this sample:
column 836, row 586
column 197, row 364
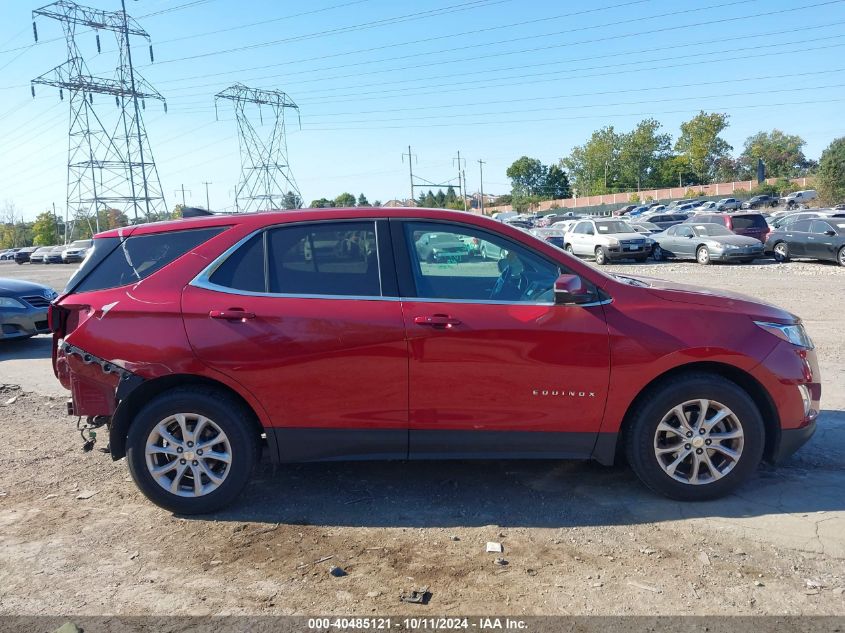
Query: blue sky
column 495, row 79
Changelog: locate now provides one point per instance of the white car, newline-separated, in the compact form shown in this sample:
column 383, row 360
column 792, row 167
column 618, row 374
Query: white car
column 800, row 197
column 607, row 239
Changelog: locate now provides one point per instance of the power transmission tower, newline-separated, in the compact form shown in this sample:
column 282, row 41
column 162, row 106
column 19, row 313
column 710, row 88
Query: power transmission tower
column 418, row 182
column 110, row 163
column 266, row 179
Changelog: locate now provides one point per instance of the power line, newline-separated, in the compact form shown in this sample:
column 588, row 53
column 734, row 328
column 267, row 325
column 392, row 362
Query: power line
column 411, row 42
column 471, row 4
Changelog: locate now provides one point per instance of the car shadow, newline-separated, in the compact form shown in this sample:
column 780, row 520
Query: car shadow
column 550, row 494
column 37, row 347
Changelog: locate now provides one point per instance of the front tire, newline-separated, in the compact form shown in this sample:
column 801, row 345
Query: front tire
column 191, row 450
column 781, row 252
column 682, row 453
column 702, row 255
column 657, row 254
column 601, row 257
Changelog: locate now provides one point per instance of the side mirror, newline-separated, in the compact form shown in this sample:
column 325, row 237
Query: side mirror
column 689, row 237
column 830, row 232
column 570, row 290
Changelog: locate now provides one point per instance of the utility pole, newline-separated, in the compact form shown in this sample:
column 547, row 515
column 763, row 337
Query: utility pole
column 460, row 185
column 411, row 158
column 55, row 220
column 183, row 193
column 464, row 195
column 481, row 164
column 207, row 203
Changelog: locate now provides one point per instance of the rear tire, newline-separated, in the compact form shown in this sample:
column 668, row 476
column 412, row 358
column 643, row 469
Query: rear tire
column 701, row 468
column 840, row 257
column 220, row 481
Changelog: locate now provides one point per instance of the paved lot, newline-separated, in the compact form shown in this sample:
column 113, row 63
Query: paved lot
column 579, row 538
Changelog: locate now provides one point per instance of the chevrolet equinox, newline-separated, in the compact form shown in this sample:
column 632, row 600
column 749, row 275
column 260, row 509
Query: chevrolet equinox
column 334, row 334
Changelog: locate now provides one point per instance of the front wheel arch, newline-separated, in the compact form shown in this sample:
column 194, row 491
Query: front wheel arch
column 743, row 379
column 146, row 391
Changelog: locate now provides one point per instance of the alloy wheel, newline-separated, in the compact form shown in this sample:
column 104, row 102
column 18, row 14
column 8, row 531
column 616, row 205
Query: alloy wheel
column 188, row 455
column 703, row 255
column 781, row 252
column 699, row 442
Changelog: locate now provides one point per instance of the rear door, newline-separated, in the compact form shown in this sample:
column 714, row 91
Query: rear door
column 305, row 317
column 495, row 365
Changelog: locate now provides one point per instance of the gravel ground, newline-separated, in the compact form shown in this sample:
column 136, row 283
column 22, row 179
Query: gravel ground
column 77, row 538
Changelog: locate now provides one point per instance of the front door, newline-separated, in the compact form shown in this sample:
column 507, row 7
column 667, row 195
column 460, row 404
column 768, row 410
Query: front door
column 300, row 317
column 495, row 366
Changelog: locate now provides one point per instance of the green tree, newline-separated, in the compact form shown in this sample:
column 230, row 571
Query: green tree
column 528, row 175
column 44, row 229
column 451, row 196
column 700, row 144
column 594, row 167
column 376, row 203
column 640, row 152
column 291, row 200
column 321, row 203
column 362, row 201
column 429, row 200
column 830, row 177
column 557, row 184
column 345, row 200
column 783, row 155
column 440, row 199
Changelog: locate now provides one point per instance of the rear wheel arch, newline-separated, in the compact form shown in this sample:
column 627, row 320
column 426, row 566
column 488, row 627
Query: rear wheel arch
column 741, row 378
column 146, row 391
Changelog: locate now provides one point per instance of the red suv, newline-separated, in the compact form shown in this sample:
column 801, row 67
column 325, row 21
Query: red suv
column 329, row 334
column 747, row 224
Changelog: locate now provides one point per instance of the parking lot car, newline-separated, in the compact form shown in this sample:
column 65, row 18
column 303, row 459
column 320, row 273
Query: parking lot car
column 23, row 255
column 646, row 228
column 54, row 255
column 705, row 243
column 748, row 224
column 8, row 254
column 705, row 207
column 728, row 204
column 384, row 355
column 76, row 251
column 760, row 202
column 23, row 309
column 551, row 235
column 39, row 254
column 441, row 247
column 607, row 240
column 665, row 220
column 625, row 210
column 819, row 238
column 800, row 197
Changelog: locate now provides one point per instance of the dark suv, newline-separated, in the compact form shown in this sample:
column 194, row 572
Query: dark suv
column 748, row 224
column 329, row 334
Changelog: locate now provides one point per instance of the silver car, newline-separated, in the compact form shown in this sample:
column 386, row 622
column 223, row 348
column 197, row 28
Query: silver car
column 705, row 243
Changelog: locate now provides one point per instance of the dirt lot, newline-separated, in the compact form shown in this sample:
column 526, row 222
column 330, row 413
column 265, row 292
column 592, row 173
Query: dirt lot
column 77, row 538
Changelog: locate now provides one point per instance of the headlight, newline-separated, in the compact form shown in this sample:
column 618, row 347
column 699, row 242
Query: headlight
column 612, row 241
column 795, row 334
column 8, row 302
column 728, row 246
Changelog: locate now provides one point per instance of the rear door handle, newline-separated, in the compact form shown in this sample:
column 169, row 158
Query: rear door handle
column 232, row 314
column 437, row 320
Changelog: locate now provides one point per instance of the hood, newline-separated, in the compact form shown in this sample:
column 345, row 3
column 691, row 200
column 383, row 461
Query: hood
column 15, row 287
column 623, row 236
column 728, row 301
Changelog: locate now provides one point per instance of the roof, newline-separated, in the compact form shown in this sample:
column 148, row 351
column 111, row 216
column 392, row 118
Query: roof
column 267, row 218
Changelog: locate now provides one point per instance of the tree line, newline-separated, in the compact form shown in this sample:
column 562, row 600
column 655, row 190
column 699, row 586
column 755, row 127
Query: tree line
column 647, row 157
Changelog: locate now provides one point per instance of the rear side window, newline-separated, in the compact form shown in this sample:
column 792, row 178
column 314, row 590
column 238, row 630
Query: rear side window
column 749, row 221
column 334, row 258
column 115, row 263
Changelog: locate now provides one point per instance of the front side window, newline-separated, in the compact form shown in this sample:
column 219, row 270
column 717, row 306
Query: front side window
column 801, row 226
column 457, row 262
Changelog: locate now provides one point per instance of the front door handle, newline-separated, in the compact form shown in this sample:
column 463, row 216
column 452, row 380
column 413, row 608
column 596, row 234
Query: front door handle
column 437, row 320
column 232, row 314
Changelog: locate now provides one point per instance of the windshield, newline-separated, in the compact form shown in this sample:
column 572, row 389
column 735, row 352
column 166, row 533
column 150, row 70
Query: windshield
column 614, row 226
column 712, row 230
